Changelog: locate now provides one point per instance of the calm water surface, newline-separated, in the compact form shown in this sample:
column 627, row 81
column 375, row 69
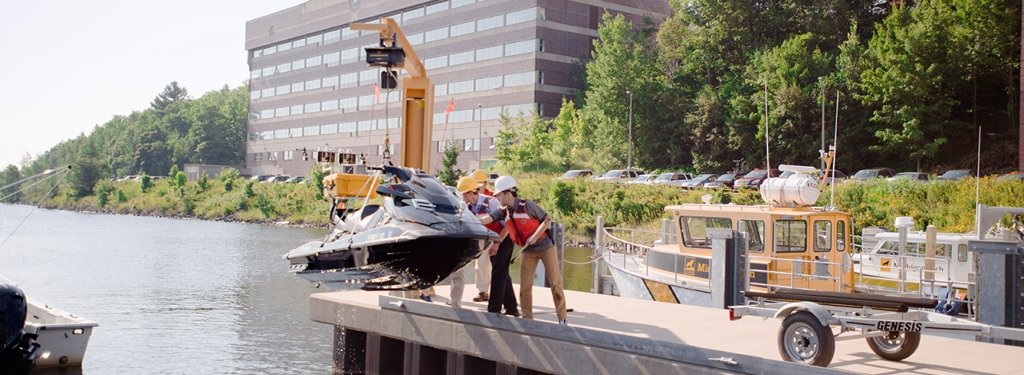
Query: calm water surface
column 179, row 296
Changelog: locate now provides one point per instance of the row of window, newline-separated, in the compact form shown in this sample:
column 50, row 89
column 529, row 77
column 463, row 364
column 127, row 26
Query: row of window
column 371, row 76
column 345, row 33
column 790, row 235
column 367, row 102
column 353, row 54
column 489, row 113
column 290, row 155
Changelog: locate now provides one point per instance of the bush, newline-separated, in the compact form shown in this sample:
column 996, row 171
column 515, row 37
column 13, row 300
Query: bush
column 203, row 182
column 146, row 183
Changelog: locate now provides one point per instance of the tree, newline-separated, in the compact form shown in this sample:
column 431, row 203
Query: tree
column 9, row 176
column 172, row 93
column 448, row 174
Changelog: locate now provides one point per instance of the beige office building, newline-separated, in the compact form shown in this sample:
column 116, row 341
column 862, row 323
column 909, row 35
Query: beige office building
column 310, row 86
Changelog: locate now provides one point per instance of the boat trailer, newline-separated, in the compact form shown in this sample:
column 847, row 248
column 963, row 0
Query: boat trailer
column 889, row 324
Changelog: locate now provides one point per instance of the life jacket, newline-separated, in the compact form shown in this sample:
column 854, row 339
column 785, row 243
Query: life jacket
column 483, row 208
column 522, row 225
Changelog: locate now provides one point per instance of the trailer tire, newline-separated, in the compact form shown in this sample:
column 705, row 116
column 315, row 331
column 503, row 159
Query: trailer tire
column 895, row 346
column 803, row 339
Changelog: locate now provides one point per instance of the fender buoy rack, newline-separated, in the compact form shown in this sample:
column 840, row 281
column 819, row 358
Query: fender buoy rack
column 891, row 325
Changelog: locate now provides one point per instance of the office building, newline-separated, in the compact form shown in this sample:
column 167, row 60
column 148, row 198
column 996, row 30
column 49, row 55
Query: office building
column 310, row 86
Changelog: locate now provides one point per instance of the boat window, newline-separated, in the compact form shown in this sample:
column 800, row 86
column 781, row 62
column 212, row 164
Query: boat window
column 822, row 235
column 754, row 230
column 942, row 250
column 841, row 235
column 695, row 229
column 790, row 236
column 961, row 253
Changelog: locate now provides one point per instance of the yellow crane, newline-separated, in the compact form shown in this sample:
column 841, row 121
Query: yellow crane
column 395, row 52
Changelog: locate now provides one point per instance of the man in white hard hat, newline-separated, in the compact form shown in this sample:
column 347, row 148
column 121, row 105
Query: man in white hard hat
column 527, row 225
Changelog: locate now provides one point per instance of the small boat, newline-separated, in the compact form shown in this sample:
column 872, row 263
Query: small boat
column 790, row 244
column 417, row 235
column 879, row 266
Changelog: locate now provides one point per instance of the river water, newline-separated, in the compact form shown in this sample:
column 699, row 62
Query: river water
column 179, row 296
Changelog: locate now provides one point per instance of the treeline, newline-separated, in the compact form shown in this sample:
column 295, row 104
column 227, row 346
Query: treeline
column 175, row 130
column 915, row 82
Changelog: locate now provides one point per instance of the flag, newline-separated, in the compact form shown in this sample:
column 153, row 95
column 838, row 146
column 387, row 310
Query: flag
column 376, row 94
column 451, row 107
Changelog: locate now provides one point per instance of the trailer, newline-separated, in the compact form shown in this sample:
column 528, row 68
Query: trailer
column 891, row 325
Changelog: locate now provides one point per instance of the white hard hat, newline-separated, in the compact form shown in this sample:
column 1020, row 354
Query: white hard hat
column 504, row 183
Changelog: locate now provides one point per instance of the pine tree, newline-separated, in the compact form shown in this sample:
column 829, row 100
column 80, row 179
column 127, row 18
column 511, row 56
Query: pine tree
column 450, row 157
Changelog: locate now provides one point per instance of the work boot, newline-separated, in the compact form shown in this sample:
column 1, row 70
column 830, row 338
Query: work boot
column 482, row 297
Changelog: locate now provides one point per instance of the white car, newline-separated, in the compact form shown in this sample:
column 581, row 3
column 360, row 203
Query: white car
column 617, row 175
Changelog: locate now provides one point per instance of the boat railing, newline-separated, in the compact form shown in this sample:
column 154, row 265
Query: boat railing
column 794, row 273
column 916, row 281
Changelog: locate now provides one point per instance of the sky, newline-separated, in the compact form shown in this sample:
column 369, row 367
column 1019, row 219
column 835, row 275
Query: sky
column 68, row 66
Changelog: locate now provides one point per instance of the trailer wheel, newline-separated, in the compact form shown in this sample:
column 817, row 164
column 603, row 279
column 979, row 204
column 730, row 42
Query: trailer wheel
column 895, row 346
column 803, row 339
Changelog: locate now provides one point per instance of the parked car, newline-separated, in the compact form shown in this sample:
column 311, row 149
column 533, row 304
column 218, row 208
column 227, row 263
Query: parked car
column 668, row 177
column 1012, row 176
column 297, row 180
column 616, row 175
column 955, row 174
column 723, row 181
column 278, row 178
column 754, row 178
column 260, row 177
column 698, row 181
column 912, row 176
column 576, row 173
column 872, row 173
column 644, row 179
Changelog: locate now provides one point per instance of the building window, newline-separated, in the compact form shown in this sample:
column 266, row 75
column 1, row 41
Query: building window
column 460, row 87
column 490, row 23
column 519, row 79
column 298, row 64
column 348, row 33
column 518, row 48
column 540, row 77
column 315, row 39
column 436, row 62
column 296, row 109
column 441, row 89
column 328, row 129
column 298, row 87
column 289, row 155
column 257, row 156
column 284, row 68
column 329, row 105
column 313, row 107
column 489, row 83
column 415, row 39
column 313, row 84
column 437, row 8
column 461, row 58
column 332, row 36
column 463, row 28
column 311, row 130
column 283, row 90
column 331, row 81
column 489, row 53
column 331, row 59
column 347, row 127
column 299, row 43
column 521, row 16
column 350, row 55
column 272, row 156
column 540, row 45
column 461, row 3
column 281, row 112
column 471, row 145
column 436, row 34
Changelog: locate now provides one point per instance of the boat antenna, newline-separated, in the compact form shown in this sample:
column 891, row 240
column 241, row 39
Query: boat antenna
column 64, row 173
column 835, row 157
column 767, row 155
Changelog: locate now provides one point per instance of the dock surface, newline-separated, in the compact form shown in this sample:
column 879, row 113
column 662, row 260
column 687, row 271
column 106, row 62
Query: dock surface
column 615, row 324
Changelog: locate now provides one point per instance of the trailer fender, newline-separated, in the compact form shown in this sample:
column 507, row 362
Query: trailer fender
column 823, row 315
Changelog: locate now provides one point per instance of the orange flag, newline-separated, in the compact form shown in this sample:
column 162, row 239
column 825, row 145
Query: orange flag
column 376, row 94
column 451, row 107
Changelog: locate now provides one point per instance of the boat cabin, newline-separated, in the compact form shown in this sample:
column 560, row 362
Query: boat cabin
column 793, row 247
column 950, row 263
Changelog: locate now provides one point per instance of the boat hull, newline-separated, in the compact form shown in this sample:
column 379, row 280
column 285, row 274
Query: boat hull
column 406, row 265
column 63, row 337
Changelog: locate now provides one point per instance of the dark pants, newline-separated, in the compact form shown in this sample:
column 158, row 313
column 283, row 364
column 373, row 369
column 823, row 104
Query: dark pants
column 502, row 294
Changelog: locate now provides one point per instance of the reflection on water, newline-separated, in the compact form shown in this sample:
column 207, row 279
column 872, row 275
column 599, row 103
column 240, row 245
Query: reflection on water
column 181, row 296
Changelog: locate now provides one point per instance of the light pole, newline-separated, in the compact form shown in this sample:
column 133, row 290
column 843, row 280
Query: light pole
column 629, row 157
column 480, row 135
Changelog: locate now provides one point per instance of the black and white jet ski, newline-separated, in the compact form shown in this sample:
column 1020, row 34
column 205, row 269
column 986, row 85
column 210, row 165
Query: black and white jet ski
column 416, row 237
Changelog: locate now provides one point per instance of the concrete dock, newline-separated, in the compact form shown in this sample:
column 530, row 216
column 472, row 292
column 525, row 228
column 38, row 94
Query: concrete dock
column 606, row 335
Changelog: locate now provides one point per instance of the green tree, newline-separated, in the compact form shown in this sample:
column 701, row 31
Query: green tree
column 171, row 93
column 10, row 175
column 449, row 174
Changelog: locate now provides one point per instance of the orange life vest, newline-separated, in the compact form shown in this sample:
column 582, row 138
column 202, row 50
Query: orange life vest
column 522, row 225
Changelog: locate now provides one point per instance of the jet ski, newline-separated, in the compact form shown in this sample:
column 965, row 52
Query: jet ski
column 419, row 234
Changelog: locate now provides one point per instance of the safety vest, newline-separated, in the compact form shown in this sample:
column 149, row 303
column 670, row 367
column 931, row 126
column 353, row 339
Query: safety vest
column 483, row 208
column 521, row 225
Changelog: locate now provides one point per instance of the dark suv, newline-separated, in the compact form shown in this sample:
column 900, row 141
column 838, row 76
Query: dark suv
column 755, row 178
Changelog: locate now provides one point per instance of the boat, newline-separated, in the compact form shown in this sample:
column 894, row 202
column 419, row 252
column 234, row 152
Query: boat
column 791, row 244
column 418, row 234
column 878, row 267
column 34, row 335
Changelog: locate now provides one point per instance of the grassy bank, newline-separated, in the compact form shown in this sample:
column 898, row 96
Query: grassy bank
column 576, row 203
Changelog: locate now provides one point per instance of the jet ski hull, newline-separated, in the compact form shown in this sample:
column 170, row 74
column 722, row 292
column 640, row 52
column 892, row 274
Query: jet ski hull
column 405, row 265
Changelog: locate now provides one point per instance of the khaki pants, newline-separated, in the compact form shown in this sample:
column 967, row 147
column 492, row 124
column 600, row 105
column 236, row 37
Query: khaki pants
column 526, row 271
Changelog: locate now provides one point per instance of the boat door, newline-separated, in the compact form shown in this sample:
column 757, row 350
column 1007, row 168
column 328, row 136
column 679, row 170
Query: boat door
column 809, row 252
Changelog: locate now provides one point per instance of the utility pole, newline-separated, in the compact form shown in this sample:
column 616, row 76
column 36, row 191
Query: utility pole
column 821, row 81
column 629, row 157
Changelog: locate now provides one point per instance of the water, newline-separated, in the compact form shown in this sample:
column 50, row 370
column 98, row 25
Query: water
column 171, row 296
column 180, row 296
